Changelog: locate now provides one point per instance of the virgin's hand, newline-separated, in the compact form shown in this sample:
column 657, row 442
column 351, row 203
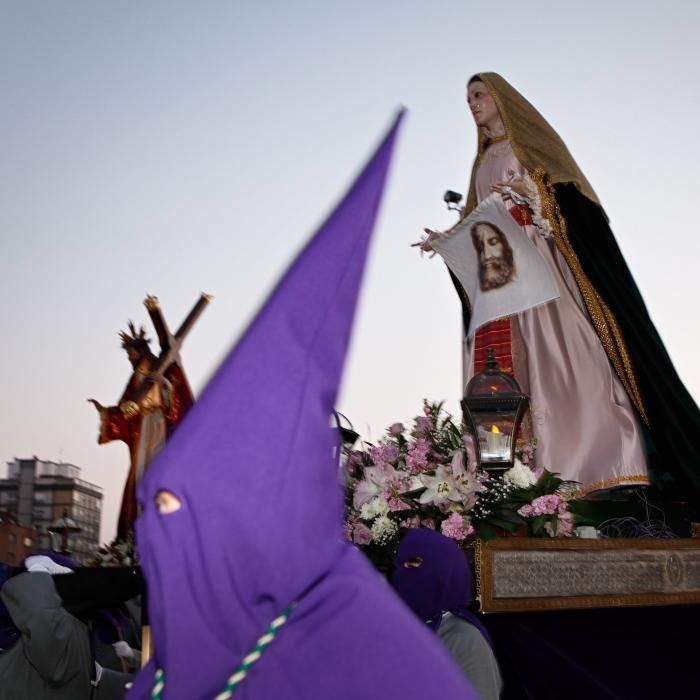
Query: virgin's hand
column 424, row 244
column 518, row 186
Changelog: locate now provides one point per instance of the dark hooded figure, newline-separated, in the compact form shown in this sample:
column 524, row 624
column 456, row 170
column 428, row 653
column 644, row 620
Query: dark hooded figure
column 433, row 578
column 50, row 651
column 252, row 589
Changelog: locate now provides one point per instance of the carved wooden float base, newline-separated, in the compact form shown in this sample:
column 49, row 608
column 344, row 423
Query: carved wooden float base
column 520, row 574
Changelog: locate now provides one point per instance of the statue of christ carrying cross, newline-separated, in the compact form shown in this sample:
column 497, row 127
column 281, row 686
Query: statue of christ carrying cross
column 156, row 398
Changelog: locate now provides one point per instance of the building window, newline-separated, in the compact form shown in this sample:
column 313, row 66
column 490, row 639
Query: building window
column 12, row 538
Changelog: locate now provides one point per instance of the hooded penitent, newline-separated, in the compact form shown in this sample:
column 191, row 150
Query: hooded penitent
column 432, row 577
column 616, row 308
column 260, row 523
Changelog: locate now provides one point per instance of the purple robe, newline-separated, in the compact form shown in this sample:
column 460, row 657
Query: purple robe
column 261, row 522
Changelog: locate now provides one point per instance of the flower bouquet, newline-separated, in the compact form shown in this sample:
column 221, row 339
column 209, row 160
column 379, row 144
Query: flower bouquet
column 428, row 477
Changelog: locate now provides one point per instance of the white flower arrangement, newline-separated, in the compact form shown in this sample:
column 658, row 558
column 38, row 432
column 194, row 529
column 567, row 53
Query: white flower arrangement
column 520, row 476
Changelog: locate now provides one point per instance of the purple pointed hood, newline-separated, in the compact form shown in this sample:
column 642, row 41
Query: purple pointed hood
column 432, row 576
column 261, row 519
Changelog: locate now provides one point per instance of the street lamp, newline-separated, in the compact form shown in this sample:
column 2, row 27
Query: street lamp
column 64, row 526
column 493, row 407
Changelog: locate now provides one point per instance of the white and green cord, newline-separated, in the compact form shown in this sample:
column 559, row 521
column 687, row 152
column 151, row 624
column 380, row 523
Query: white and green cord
column 242, row 671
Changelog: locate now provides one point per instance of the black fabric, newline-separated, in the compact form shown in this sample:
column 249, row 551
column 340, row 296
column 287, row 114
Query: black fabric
column 673, row 414
column 463, row 300
column 602, row 654
column 88, row 590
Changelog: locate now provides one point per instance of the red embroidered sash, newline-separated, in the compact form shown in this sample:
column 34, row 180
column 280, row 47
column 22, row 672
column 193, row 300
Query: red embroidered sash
column 496, row 335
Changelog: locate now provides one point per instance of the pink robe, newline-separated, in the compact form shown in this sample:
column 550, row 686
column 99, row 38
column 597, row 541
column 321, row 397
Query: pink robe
column 585, row 424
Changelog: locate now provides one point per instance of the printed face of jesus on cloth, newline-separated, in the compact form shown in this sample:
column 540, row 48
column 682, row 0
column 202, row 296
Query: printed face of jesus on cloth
column 496, row 264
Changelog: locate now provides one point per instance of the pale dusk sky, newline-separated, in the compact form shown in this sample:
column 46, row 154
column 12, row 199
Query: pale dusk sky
column 174, row 147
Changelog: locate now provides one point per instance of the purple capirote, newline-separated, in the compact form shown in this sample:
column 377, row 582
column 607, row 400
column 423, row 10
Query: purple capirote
column 441, row 581
column 261, row 521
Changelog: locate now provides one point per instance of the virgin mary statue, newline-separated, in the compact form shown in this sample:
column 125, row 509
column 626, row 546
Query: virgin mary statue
column 606, row 405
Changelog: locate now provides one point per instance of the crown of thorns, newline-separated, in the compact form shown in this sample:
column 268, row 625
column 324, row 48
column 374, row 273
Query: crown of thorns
column 135, row 338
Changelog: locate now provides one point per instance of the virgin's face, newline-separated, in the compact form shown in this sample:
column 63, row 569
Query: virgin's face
column 481, row 104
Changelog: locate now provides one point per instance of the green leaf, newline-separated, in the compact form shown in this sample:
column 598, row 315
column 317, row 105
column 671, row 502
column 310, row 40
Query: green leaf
column 484, row 531
column 522, row 496
column 414, row 493
column 537, row 525
column 548, row 483
column 503, row 524
column 509, row 515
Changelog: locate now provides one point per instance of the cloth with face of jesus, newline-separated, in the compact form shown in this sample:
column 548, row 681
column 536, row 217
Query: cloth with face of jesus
column 495, row 262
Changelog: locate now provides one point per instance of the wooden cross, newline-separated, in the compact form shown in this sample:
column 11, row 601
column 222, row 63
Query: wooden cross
column 169, row 344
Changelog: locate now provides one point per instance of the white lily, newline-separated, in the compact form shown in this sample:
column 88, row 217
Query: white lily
column 371, row 484
column 439, row 488
column 465, row 478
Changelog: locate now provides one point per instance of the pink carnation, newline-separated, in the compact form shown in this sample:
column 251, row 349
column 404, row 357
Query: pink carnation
column 354, row 458
column 384, row 454
column 424, row 424
column 352, row 463
column 543, row 505
column 456, row 527
column 361, row 534
column 565, row 525
column 396, row 504
column 417, row 459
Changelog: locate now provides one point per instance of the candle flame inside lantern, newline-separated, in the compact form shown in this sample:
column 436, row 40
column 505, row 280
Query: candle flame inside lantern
column 494, row 429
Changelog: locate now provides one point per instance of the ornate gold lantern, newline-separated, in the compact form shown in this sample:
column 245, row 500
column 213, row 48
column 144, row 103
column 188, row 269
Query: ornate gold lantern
column 493, row 407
